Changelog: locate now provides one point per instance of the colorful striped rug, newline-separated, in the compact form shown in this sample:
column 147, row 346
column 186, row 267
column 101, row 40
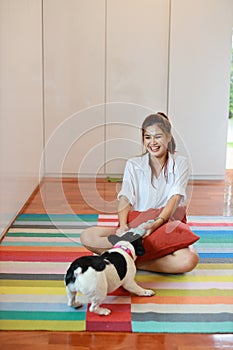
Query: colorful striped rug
column 38, row 249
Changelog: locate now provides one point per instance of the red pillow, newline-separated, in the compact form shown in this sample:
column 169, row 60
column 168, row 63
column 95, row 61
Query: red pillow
column 168, row 238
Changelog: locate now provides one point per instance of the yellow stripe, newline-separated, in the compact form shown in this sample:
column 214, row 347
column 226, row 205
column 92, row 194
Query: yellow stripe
column 32, row 290
column 183, row 278
column 43, row 325
column 32, row 283
column 214, row 266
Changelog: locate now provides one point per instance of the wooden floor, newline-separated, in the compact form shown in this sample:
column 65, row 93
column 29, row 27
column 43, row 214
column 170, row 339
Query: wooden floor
column 88, row 196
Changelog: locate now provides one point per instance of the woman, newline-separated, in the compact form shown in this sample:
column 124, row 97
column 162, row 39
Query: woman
column 157, row 179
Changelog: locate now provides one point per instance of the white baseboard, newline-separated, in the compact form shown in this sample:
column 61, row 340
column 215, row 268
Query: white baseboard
column 103, row 176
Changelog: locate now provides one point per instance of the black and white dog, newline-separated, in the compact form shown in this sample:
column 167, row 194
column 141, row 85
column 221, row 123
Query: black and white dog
column 96, row 276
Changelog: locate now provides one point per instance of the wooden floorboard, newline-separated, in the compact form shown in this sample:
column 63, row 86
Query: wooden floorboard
column 87, row 196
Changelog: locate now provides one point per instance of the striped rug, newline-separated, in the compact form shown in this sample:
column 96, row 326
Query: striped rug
column 38, row 249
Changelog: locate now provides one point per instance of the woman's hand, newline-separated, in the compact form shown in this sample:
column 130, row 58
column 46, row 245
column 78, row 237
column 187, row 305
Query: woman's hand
column 122, row 229
column 149, row 228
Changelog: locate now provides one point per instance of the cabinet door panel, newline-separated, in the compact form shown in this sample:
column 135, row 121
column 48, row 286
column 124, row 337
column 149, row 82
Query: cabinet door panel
column 136, row 75
column 74, row 44
column 200, row 59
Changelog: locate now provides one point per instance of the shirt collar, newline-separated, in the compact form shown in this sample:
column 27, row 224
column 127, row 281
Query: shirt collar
column 170, row 163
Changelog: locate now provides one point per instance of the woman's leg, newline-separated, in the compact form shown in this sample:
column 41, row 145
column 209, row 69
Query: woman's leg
column 181, row 261
column 95, row 238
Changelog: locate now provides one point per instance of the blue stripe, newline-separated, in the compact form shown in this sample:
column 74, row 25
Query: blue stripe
column 214, row 232
column 216, row 255
column 53, row 307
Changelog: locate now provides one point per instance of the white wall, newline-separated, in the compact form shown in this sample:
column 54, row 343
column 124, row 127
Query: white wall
column 138, row 57
column 21, row 120
column 200, row 59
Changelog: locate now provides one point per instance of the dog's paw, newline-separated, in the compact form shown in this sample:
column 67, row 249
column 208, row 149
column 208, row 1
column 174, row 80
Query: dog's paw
column 103, row 311
column 148, row 293
column 75, row 304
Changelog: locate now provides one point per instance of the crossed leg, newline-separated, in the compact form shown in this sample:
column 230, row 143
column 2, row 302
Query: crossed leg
column 184, row 260
column 181, row 261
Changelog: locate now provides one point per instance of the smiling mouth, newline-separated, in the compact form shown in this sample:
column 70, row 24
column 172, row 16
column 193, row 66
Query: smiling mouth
column 154, row 149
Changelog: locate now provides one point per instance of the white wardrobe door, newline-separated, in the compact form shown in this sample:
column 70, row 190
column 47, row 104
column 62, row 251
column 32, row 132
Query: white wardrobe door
column 200, row 58
column 136, row 73
column 21, row 115
column 74, row 58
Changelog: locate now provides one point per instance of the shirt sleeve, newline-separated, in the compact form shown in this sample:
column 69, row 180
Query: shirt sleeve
column 181, row 178
column 127, row 188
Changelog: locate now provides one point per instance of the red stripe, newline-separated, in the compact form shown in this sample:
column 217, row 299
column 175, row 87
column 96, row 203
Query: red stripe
column 41, row 256
column 100, row 326
column 108, row 220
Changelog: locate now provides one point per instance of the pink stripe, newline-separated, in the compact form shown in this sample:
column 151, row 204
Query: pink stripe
column 219, row 224
column 187, row 285
column 35, row 268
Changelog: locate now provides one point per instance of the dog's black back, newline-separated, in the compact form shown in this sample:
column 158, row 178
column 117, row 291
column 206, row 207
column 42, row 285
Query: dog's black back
column 96, row 262
column 100, row 262
column 118, row 261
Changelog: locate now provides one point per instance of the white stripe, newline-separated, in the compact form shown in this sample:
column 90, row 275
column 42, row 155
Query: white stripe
column 210, row 272
column 108, row 217
column 211, row 228
column 182, row 309
column 210, row 219
column 109, row 223
column 201, row 249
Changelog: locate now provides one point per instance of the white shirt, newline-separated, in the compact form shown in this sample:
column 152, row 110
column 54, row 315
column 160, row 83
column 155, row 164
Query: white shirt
column 137, row 186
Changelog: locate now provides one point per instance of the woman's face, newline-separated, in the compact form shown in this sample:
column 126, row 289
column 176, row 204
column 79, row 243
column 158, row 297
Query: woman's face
column 156, row 141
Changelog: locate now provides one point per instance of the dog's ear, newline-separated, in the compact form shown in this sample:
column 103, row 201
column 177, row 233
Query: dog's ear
column 138, row 246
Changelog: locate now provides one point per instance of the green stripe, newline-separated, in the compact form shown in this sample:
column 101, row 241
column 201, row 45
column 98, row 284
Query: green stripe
column 58, row 217
column 42, row 315
column 182, row 327
column 216, row 239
